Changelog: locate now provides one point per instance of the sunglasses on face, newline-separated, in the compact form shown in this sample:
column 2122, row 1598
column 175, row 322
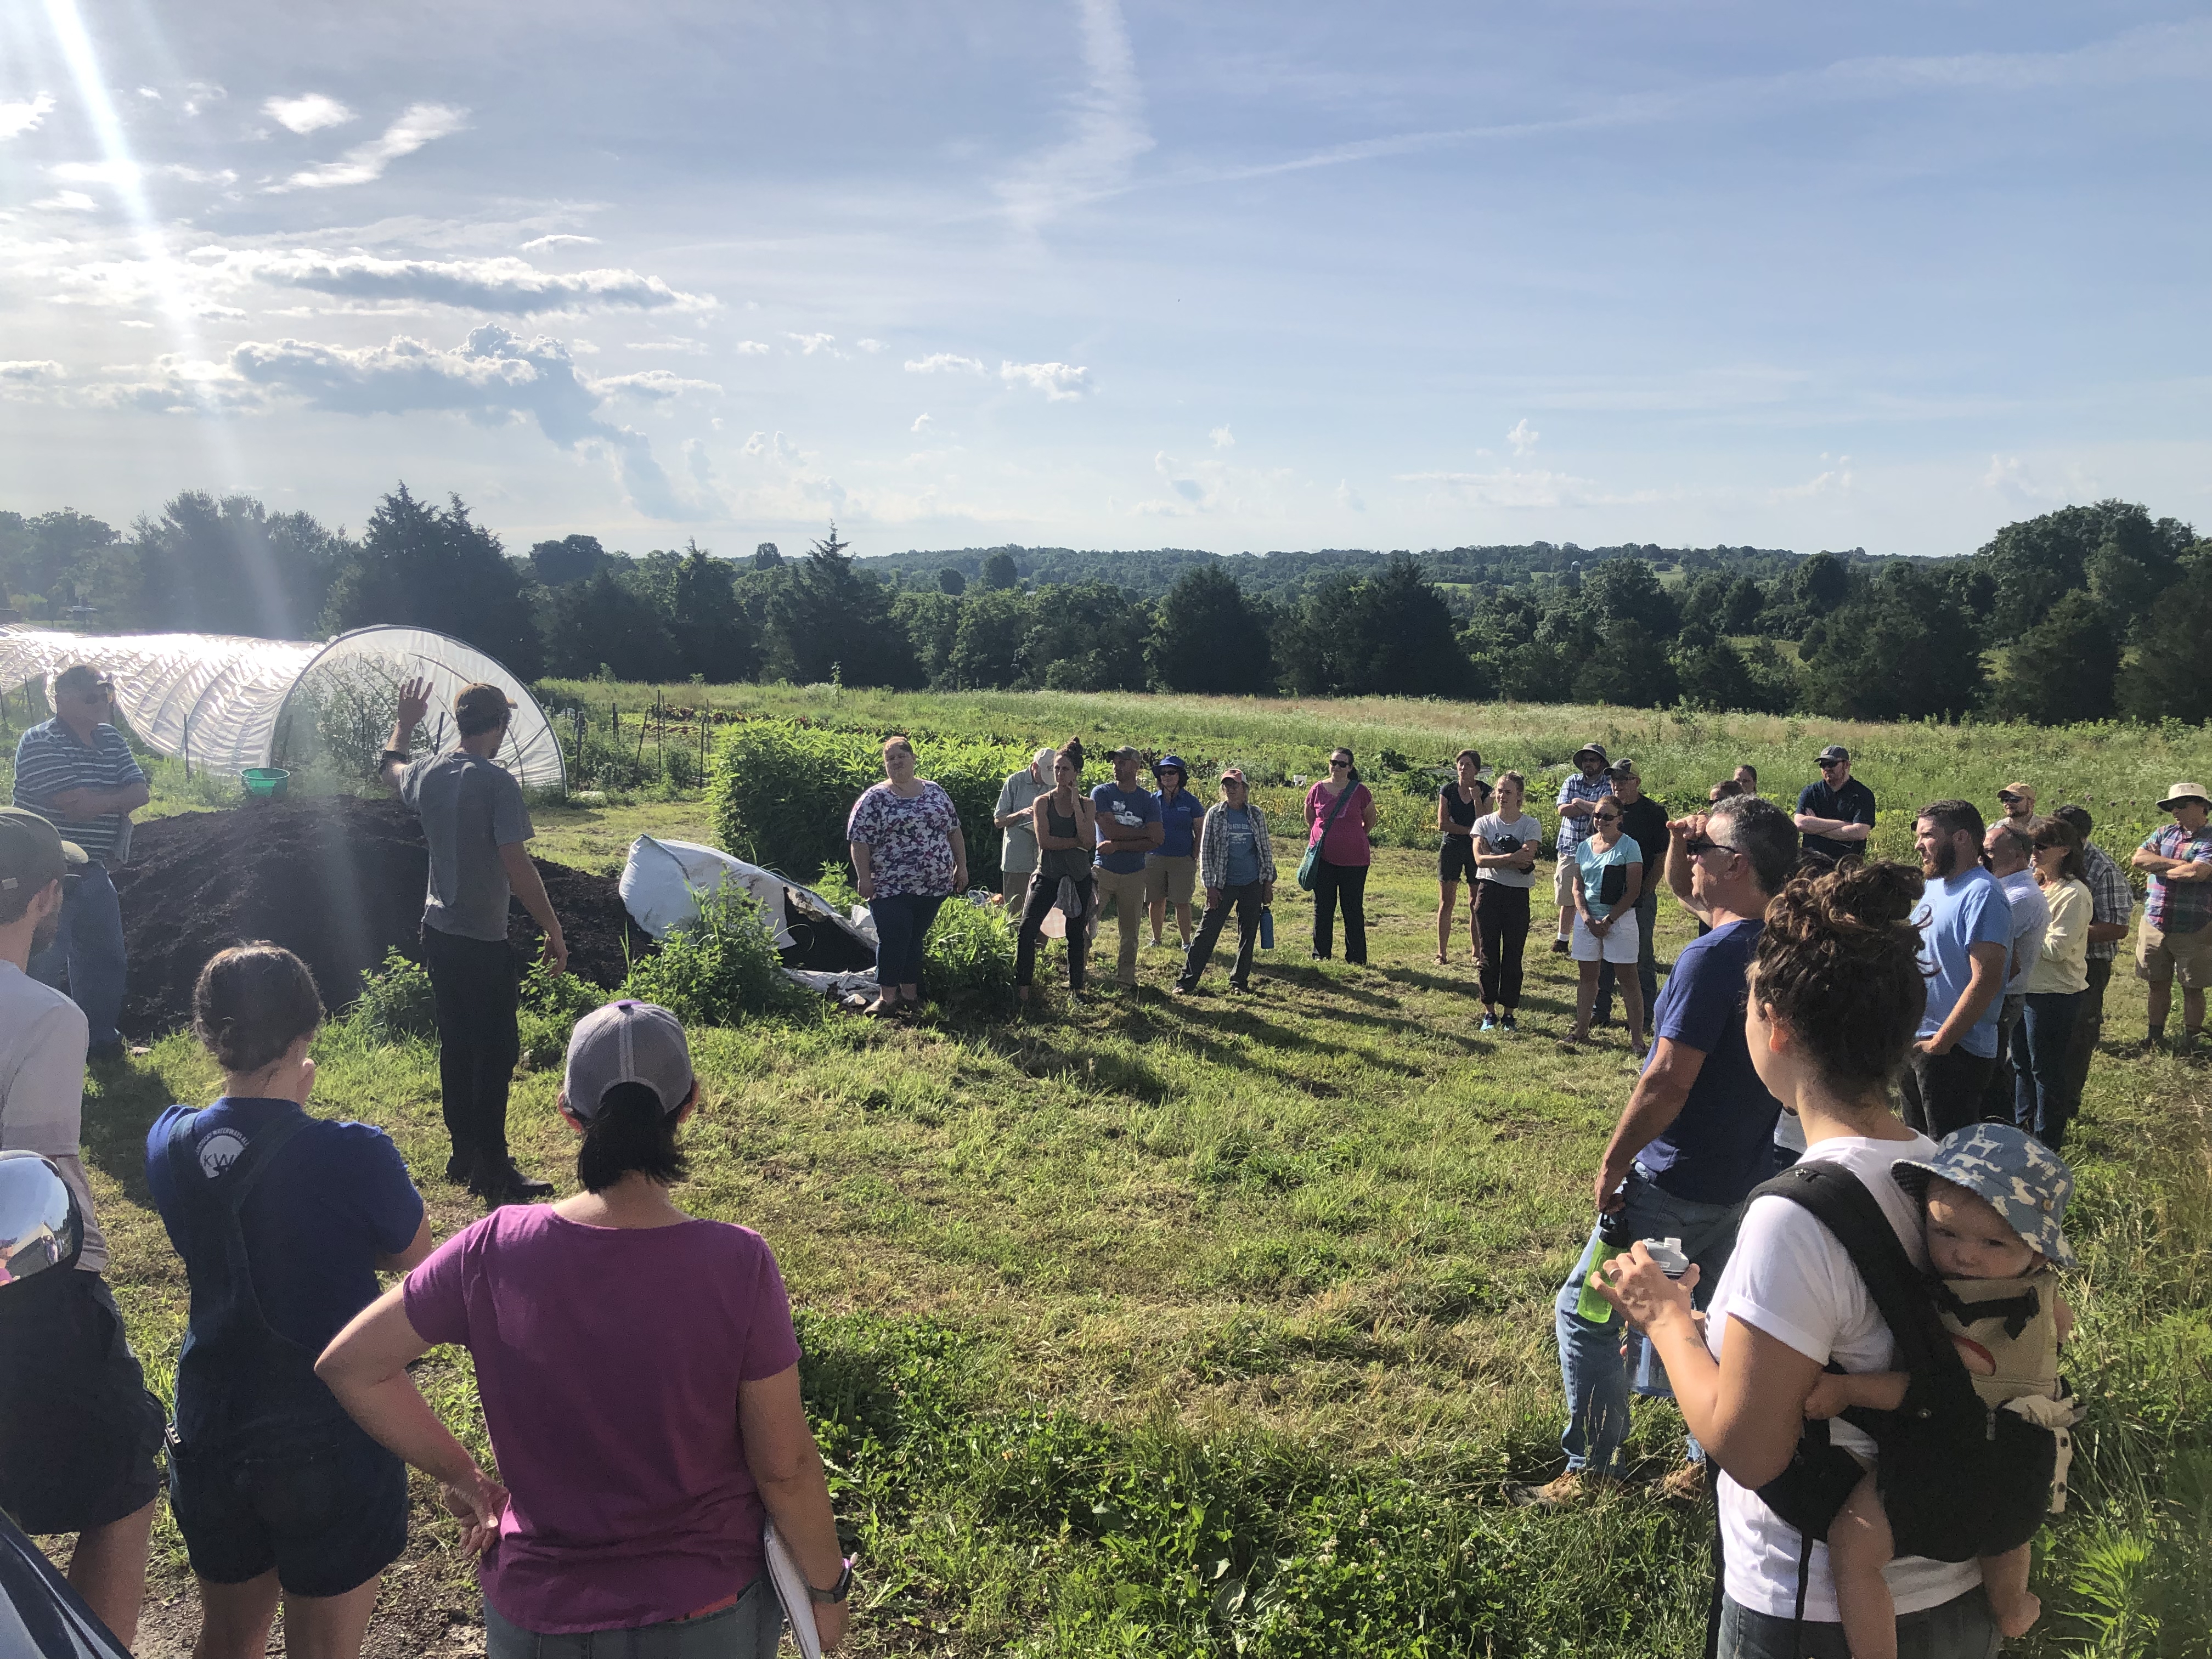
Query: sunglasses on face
column 1830, row 766
column 1703, row 844
column 1333, row 765
column 1607, row 817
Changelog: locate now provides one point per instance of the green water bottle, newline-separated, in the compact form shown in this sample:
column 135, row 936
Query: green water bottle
column 1614, row 1235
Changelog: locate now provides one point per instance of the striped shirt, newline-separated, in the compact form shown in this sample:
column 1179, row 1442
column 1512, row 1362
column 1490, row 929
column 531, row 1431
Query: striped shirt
column 2112, row 900
column 2179, row 906
column 1574, row 831
column 50, row 762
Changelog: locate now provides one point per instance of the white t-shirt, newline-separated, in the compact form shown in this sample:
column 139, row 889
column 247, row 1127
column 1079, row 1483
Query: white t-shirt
column 1789, row 1278
column 1494, row 830
column 42, row 1044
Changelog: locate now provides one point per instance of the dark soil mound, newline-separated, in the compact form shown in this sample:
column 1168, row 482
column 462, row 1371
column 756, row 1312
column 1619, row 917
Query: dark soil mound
column 340, row 881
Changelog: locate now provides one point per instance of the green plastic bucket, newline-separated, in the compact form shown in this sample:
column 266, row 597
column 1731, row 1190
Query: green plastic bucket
column 266, row 782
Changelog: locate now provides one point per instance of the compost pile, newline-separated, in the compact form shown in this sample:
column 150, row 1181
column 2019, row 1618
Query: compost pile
column 339, row 881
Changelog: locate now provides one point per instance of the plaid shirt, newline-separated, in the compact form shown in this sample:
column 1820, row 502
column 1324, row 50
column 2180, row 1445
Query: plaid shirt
column 2112, row 900
column 1573, row 832
column 2179, row 906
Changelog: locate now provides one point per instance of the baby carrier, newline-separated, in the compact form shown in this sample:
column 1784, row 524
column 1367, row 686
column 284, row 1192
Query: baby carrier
column 1958, row 1478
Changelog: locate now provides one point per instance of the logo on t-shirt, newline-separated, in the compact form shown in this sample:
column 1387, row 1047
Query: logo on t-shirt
column 219, row 1152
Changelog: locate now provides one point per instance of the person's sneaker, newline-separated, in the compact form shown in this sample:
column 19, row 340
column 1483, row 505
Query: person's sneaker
column 1488, row 1024
column 1179, row 989
column 1558, row 947
column 460, row 1168
column 2153, row 1044
column 1684, row 1485
column 1575, row 1486
column 1242, row 990
column 1505, row 1022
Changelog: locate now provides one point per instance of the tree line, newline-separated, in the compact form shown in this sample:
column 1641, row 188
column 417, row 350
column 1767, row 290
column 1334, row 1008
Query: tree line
column 2085, row 613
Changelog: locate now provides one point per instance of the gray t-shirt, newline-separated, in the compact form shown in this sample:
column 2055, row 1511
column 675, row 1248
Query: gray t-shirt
column 470, row 808
column 42, row 1042
column 1018, row 853
column 1523, row 831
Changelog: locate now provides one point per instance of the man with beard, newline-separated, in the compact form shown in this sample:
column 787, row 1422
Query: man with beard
column 1966, row 936
column 1588, row 784
column 80, row 1437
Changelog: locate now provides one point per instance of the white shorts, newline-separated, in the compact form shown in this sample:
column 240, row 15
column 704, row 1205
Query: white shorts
column 1617, row 945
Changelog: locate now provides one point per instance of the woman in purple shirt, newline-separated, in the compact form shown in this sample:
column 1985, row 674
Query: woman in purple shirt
column 639, row 1382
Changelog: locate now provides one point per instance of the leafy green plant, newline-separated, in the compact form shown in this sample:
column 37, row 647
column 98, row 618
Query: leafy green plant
column 551, row 1006
column 395, row 1002
column 969, row 954
column 718, row 970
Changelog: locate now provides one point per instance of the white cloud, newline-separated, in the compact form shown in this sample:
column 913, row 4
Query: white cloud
column 678, row 343
column 558, row 240
column 30, row 372
column 493, row 377
column 68, row 201
column 1109, row 133
column 870, row 346
column 131, row 173
column 311, row 111
column 808, row 345
column 18, row 118
column 417, row 125
column 920, row 424
column 944, row 362
column 651, row 383
column 1059, row 382
column 508, row 286
column 1511, row 487
column 1348, row 498
column 1223, row 438
column 1523, row 437
column 752, row 348
column 149, row 91
column 1837, row 480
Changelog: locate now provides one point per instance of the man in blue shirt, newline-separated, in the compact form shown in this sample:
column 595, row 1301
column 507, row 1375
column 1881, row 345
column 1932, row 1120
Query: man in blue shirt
column 1128, row 817
column 77, row 771
column 1696, row 1135
column 1836, row 815
column 1966, row 936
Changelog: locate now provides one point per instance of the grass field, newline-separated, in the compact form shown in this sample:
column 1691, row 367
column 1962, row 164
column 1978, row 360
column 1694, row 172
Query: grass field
column 1215, row 1327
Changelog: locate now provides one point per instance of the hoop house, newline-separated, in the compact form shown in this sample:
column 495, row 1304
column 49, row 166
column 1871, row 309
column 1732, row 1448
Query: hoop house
column 222, row 701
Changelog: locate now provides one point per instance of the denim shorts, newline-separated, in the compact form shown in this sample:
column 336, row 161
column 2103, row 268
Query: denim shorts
column 751, row 1630
column 1961, row 1628
column 329, row 1517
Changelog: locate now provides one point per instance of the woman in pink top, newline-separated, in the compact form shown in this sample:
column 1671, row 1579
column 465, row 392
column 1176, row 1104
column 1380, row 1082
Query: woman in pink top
column 639, row 1382
column 1340, row 872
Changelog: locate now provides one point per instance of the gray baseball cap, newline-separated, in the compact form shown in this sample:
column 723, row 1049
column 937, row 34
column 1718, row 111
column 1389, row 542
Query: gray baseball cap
column 627, row 1042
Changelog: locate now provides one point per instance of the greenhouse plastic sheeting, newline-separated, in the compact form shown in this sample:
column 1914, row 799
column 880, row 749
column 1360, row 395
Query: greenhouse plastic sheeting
column 216, row 699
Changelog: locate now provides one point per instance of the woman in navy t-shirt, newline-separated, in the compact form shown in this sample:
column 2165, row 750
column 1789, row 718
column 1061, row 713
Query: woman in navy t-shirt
column 283, row 1220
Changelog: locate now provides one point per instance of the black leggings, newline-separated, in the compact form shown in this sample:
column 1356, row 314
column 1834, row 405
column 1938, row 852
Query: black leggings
column 1502, row 913
column 1346, row 884
column 1245, row 903
column 1044, row 893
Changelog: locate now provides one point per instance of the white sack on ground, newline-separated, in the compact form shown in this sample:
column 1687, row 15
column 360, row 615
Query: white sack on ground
column 663, row 881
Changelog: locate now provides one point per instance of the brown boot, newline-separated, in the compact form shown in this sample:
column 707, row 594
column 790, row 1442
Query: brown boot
column 1575, row 1486
column 1684, row 1484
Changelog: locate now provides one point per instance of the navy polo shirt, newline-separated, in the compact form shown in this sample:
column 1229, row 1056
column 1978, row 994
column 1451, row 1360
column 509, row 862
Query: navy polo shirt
column 1720, row 1145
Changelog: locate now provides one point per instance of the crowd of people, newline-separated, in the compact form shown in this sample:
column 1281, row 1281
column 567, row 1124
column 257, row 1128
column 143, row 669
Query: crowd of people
column 1832, row 1038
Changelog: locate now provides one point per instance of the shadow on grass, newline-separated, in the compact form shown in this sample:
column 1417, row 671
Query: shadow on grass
column 119, row 1110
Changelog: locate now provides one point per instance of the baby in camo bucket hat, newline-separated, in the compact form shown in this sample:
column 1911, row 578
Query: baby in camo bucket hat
column 1993, row 1202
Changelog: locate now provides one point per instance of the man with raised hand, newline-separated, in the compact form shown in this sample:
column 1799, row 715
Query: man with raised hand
column 2009, row 854
column 2176, row 940
column 478, row 828
column 1836, row 815
column 80, row 1437
column 1128, row 816
column 2112, row 902
column 1697, row 1134
column 1966, row 937
column 77, row 771
column 1587, row 785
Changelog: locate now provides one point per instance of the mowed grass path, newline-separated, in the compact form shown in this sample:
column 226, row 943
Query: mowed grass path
column 1329, row 1219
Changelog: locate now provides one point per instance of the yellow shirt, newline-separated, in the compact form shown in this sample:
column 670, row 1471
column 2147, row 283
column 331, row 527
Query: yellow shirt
column 2065, row 965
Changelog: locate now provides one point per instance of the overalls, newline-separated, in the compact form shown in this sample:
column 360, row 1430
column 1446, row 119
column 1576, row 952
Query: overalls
column 254, row 1423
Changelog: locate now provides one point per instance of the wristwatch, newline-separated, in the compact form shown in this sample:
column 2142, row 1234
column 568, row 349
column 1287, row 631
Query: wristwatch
column 836, row 1592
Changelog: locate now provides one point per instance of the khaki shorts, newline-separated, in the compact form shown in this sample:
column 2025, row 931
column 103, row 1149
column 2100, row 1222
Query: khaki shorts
column 1170, row 878
column 2162, row 958
column 1564, row 874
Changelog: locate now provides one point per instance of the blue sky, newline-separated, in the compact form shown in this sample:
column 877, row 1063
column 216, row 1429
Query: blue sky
column 1114, row 275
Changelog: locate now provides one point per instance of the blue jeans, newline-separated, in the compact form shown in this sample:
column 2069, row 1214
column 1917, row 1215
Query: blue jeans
column 1961, row 1628
column 86, row 958
column 2042, row 1044
column 1590, row 1363
column 902, row 924
column 750, row 1630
